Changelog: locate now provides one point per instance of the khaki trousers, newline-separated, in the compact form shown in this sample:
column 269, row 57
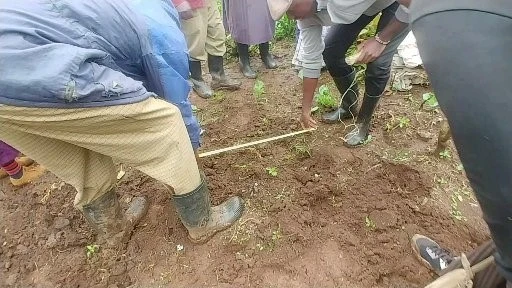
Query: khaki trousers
column 205, row 33
column 80, row 145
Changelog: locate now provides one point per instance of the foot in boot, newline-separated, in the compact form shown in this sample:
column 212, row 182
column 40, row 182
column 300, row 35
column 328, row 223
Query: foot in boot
column 28, row 174
column 219, row 79
column 247, row 71
column 266, row 56
column 225, row 83
column 202, row 89
column 430, row 253
column 113, row 228
column 200, row 218
column 221, row 217
column 24, row 161
column 337, row 115
column 357, row 136
column 245, row 60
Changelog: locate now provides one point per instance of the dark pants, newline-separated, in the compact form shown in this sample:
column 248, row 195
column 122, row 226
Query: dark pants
column 341, row 37
column 467, row 55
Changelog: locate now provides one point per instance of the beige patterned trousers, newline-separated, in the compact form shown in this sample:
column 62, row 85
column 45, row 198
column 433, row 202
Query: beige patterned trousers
column 80, row 145
column 205, row 32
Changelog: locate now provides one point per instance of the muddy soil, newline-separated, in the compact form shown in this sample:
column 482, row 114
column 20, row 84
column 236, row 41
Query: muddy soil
column 329, row 216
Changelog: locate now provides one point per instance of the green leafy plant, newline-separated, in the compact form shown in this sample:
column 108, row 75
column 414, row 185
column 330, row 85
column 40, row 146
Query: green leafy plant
column 324, row 97
column 91, row 250
column 445, row 154
column 259, row 90
column 272, row 171
column 403, row 122
column 285, row 28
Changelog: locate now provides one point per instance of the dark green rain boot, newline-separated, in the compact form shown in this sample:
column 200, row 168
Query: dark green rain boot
column 196, row 77
column 203, row 220
column 348, row 107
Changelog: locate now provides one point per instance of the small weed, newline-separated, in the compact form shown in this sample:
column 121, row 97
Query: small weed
column 219, row 96
column 302, row 150
column 368, row 139
column 324, row 97
column 403, row 122
column 368, row 222
column 445, row 154
column 276, row 235
column 272, row 171
column 91, row 250
column 259, row 91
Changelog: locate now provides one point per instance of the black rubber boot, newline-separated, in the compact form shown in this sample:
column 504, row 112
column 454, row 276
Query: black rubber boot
column 245, row 62
column 266, row 57
column 219, row 78
column 359, row 134
column 196, row 77
column 200, row 218
column 348, row 107
column 104, row 215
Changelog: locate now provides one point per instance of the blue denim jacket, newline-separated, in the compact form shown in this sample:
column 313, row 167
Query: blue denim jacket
column 74, row 54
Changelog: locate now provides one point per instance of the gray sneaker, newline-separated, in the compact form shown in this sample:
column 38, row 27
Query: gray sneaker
column 430, row 253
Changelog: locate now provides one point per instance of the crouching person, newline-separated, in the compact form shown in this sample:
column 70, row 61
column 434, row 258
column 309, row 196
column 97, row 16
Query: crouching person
column 79, row 85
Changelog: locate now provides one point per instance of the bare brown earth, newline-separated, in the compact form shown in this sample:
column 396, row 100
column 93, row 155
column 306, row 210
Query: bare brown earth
column 331, row 217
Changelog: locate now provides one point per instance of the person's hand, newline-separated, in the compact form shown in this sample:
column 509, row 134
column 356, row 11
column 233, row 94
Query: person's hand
column 307, row 121
column 369, row 51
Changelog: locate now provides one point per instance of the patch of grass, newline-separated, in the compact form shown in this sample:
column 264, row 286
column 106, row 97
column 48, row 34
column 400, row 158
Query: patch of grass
column 302, row 150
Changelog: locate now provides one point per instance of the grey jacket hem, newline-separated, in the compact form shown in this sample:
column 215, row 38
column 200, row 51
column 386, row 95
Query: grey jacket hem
column 72, row 105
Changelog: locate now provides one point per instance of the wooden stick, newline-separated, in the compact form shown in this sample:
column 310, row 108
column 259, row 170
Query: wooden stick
column 215, row 152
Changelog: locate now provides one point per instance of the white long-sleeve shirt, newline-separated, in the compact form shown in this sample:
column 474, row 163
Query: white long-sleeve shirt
column 333, row 12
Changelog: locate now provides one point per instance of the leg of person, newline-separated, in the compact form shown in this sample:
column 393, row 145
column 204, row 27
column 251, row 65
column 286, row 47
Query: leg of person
column 266, row 56
column 377, row 77
column 18, row 173
column 337, row 41
column 440, row 261
column 216, row 48
column 7, row 156
column 194, row 30
column 149, row 135
column 245, row 61
column 92, row 174
column 467, row 68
